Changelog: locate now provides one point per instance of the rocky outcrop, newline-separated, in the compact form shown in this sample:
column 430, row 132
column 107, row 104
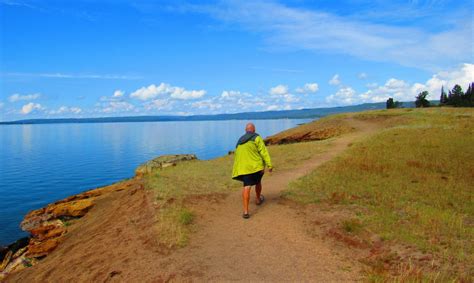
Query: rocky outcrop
column 48, row 225
column 12, row 257
column 162, row 162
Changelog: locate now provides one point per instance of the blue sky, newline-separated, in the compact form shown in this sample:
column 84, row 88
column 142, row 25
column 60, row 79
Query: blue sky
column 121, row 58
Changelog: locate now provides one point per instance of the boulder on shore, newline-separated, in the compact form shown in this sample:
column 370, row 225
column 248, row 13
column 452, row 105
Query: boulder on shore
column 162, row 162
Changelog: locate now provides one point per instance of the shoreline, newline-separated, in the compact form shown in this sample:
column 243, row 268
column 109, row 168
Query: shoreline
column 47, row 224
column 11, row 234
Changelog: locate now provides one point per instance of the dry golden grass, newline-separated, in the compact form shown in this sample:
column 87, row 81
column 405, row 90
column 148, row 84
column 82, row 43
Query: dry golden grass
column 415, row 183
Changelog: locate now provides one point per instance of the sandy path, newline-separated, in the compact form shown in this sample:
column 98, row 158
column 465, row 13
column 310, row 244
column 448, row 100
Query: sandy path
column 117, row 242
column 272, row 245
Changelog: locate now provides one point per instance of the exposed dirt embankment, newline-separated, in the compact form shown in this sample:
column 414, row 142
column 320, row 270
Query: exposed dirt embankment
column 50, row 226
column 317, row 130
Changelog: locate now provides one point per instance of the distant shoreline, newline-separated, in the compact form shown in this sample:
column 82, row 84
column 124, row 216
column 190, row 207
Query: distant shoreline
column 265, row 115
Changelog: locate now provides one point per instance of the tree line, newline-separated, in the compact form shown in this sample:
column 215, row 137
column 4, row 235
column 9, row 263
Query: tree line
column 456, row 98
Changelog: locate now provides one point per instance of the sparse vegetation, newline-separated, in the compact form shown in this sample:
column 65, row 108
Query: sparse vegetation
column 414, row 182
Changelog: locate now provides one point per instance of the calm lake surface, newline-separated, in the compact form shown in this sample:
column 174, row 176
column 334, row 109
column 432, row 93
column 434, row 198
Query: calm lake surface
column 40, row 164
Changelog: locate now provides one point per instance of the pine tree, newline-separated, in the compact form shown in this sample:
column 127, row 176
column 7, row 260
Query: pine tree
column 393, row 104
column 390, row 103
column 469, row 95
column 456, row 96
column 443, row 99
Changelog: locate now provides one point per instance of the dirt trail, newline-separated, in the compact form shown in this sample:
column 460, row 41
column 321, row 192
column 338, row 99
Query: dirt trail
column 116, row 240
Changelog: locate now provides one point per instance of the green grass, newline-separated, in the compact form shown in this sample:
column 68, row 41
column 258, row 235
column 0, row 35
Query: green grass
column 173, row 186
column 415, row 181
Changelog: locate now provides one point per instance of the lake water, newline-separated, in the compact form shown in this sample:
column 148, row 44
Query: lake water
column 40, row 164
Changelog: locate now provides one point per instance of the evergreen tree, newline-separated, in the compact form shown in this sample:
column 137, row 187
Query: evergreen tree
column 443, row 99
column 469, row 95
column 421, row 100
column 456, row 96
column 393, row 104
column 390, row 103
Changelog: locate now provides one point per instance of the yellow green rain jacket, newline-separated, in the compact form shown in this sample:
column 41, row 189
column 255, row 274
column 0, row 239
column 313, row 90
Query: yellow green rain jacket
column 251, row 155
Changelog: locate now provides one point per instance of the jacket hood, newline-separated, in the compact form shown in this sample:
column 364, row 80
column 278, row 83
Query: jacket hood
column 248, row 136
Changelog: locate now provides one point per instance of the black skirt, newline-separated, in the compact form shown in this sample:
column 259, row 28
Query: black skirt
column 251, row 179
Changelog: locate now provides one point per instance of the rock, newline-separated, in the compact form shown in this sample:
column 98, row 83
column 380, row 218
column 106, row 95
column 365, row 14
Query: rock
column 48, row 231
column 12, row 251
column 162, row 162
column 34, row 219
column 3, row 253
column 75, row 208
column 16, row 265
column 71, row 209
column 42, row 248
column 6, row 260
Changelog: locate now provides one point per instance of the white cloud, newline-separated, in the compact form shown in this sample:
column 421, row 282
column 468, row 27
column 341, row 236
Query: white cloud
column 335, row 80
column 118, row 93
column 18, row 97
column 30, row 107
column 345, row 95
column 1, row 105
column 66, row 110
column 117, row 106
column 181, row 93
column 233, row 95
column 367, row 38
column 462, row 76
column 403, row 91
column 159, row 104
column 308, row 88
column 207, row 104
column 279, row 90
column 153, row 91
column 362, row 76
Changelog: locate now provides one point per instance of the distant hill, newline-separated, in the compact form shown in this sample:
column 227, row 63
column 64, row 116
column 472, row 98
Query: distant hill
column 285, row 114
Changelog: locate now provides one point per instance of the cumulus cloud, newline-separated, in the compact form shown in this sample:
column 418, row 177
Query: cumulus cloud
column 279, row 90
column 345, row 95
column 404, row 91
column 308, row 88
column 335, row 80
column 159, row 104
column 210, row 104
column 118, row 93
column 66, row 110
column 116, row 107
column 181, row 93
column 30, row 107
column 18, row 97
column 233, row 95
column 281, row 94
column 152, row 91
column 462, row 76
